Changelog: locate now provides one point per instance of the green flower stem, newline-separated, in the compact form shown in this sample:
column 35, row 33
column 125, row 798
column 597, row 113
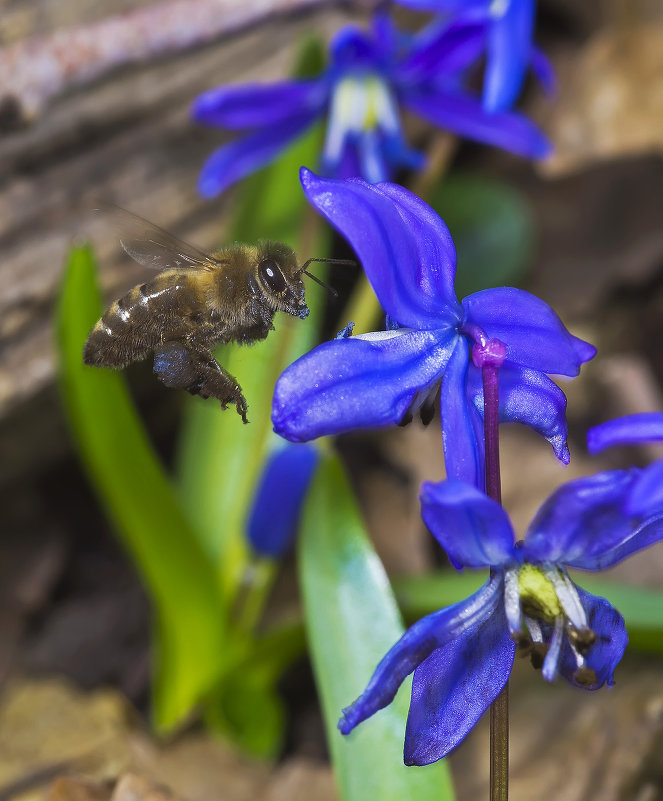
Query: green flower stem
column 253, row 594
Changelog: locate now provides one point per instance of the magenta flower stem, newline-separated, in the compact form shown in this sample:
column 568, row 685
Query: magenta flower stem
column 491, row 402
column 499, row 710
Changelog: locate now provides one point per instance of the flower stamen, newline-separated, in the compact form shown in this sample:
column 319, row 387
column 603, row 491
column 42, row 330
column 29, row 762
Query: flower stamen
column 362, row 106
column 543, row 608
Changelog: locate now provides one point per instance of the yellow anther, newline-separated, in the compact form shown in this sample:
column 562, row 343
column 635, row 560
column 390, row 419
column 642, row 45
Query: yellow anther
column 537, row 594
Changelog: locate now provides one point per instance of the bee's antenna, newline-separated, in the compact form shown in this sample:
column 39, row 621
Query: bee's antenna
column 328, row 261
column 329, row 289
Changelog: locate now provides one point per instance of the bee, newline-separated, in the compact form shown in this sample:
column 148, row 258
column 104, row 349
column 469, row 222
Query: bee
column 198, row 300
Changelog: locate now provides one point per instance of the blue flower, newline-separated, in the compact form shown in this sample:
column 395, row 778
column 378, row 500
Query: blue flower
column 506, row 28
column 462, row 655
column 274, row 515
column 630, row 430
column 434, row 343
column 369, row 79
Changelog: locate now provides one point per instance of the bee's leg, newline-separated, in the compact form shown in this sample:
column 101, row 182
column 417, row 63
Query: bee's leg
column 181, row 366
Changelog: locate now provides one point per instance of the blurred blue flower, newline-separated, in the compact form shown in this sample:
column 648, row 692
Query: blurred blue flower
column 368, row 79
column 434, row 343
column 274, row 515
column 631, row 430
column 505, row 29
column 462, row 655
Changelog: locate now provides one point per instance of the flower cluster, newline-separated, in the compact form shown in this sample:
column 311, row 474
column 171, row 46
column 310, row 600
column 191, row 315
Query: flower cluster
column 433, row 344
column 462, row 655
column 489, row 355
column 369, row 79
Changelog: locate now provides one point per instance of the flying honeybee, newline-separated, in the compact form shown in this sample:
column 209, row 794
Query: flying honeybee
column 198, row 300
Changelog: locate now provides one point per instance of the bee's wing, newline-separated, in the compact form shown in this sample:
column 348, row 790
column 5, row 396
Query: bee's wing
column 152, row 246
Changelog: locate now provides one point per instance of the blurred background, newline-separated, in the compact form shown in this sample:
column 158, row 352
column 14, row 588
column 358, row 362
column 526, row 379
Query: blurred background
column 74, row 617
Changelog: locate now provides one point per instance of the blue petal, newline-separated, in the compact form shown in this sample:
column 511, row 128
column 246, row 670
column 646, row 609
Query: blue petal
column 259, row 105
column 509, row 46
column 418, row 642
column 455, row 686
column 611, row 641
column 440, row 50
column 384, row 32
column 583, row 524
column 530, row 398
column 466, row 117
column 247, row 154
column 352, row 49
column 372, row 157
column 399, row 154
column 472, row 528
column 634, row 428
column 534, row 335
column 462, row 451
column 618, row 542
column 405, row 248
column 275, row 511
column 357, row 382
column 647, row 493
column 543, row 70
column 345, row 166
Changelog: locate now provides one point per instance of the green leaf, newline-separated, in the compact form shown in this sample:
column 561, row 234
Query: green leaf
column 642, row 608
column 219, row 458
column 246, row 706
column 249, row 711
column 352, row 620
column 311, row 59
column 493, row 229
column 138, row 497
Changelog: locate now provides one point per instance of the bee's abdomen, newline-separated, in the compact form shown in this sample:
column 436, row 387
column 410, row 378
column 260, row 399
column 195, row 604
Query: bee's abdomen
column 124, row 334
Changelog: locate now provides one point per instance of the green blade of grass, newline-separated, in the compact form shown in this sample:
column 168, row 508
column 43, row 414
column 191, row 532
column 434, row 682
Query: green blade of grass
column 219, row 458
column 352, row 620
column 138, row 497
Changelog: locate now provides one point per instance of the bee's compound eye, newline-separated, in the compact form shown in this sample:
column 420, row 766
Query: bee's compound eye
column 271, row 275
